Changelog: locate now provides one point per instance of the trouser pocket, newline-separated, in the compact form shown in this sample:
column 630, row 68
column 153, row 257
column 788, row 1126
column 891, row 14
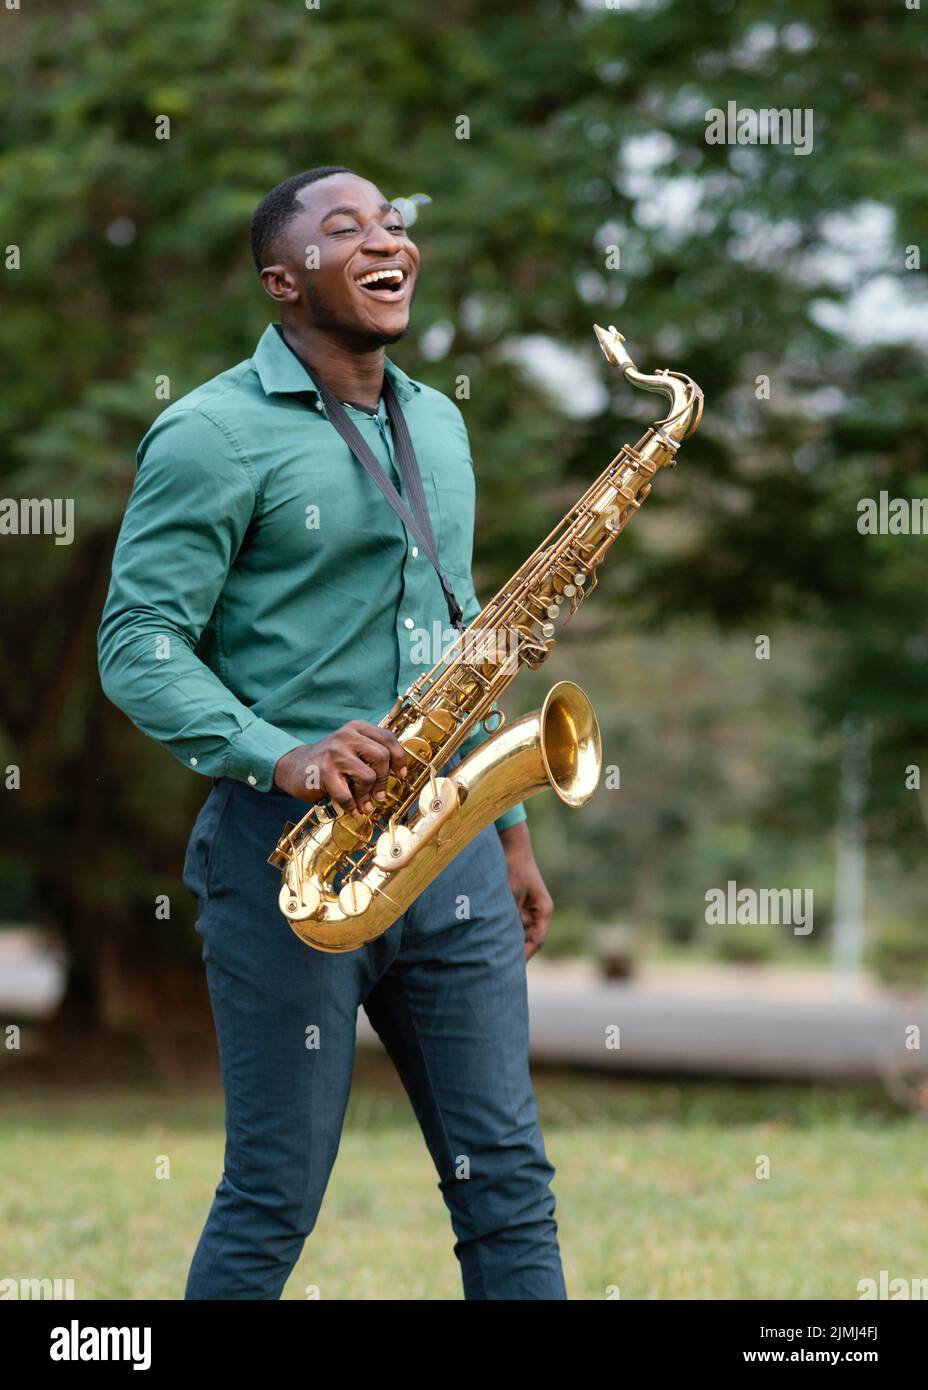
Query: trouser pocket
column 201, row 847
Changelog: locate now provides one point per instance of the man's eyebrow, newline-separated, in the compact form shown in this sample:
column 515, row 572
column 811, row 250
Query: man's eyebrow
column 333, row 212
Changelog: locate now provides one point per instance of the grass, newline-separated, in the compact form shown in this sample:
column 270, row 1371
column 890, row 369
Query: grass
column 656, row 1191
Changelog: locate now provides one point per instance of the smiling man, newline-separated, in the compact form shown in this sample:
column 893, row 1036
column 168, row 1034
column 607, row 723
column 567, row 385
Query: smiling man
column 261, row 619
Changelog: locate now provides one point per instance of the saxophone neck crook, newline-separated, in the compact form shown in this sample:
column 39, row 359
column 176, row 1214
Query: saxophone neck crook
column 684, row 395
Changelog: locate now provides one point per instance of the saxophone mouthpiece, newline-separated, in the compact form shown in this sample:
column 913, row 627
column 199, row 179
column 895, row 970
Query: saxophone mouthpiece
column 611, row 340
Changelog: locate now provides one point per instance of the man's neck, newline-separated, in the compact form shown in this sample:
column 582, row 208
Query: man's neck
column 352, row 376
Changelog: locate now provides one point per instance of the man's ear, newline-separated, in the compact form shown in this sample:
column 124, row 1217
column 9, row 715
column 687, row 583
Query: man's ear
column 279, row 283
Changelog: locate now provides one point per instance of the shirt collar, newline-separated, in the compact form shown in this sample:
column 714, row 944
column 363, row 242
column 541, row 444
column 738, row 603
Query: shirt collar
column 281, row 372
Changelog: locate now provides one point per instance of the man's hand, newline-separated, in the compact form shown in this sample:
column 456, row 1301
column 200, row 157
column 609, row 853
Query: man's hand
column 350, row 766
column 528, row 888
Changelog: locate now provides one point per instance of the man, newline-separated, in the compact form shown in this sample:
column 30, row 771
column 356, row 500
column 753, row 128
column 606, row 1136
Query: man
column 267, row 606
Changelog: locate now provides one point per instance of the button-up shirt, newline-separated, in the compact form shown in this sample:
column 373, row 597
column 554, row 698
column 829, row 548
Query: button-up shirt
column 263, row 591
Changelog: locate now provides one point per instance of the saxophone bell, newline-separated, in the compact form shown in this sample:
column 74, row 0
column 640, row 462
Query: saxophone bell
column 557, row 747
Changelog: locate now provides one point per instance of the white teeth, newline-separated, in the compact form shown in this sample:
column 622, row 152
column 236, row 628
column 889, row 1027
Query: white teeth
column 393, row 274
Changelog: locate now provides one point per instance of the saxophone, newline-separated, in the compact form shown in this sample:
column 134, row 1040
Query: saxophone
column 346, row 878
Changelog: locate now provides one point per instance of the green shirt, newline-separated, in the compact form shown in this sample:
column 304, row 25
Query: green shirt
column 264, row 592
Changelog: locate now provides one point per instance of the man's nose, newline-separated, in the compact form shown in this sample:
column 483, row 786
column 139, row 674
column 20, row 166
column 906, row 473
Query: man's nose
column 380, row 239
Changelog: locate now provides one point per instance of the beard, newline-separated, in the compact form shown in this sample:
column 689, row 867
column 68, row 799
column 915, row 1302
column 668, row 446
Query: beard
column 324, row 316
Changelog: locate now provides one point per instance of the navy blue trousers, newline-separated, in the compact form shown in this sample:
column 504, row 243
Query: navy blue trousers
column 445, row 990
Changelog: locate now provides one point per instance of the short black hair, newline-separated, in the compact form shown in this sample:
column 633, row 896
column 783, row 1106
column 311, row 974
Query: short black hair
column 279, row 207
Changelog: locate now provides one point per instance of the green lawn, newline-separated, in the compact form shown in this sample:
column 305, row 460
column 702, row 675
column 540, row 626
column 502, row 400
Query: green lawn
column 656, row 1191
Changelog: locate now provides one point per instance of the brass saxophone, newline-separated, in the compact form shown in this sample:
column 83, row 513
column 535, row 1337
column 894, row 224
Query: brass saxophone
column 347, row 878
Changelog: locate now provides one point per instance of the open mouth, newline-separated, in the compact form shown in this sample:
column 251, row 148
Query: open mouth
column 383, row 284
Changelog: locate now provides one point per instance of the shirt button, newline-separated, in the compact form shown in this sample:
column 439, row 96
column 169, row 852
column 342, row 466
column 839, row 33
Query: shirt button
column 193, row 762
column 415, row 552
column 252, row 780
column 408, row 622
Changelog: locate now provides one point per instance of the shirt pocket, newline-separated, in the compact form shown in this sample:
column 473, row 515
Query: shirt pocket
column 455, row 501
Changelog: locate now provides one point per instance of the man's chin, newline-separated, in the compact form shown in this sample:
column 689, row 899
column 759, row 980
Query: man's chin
column 366, row 334
column 370, row 337
column 384, row 339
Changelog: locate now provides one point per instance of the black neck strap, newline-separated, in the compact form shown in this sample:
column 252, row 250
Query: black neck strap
column 416, row 521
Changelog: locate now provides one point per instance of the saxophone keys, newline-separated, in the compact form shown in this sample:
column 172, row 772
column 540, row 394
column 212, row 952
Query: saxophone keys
column 391, row 845
column 355, row 897
column 439, row 797
column 438, row 724
column 300, row 904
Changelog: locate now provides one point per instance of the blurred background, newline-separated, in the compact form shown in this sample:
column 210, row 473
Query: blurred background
column 584, row 190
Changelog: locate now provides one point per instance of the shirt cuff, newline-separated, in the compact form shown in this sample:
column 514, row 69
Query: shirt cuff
column 514, row 816
column 253, row 754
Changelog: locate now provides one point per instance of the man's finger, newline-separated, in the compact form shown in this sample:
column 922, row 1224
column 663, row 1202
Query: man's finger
column 389, row 742
column 338, row 789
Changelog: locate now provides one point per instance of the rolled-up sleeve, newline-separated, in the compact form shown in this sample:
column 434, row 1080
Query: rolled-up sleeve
column 189, row 510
